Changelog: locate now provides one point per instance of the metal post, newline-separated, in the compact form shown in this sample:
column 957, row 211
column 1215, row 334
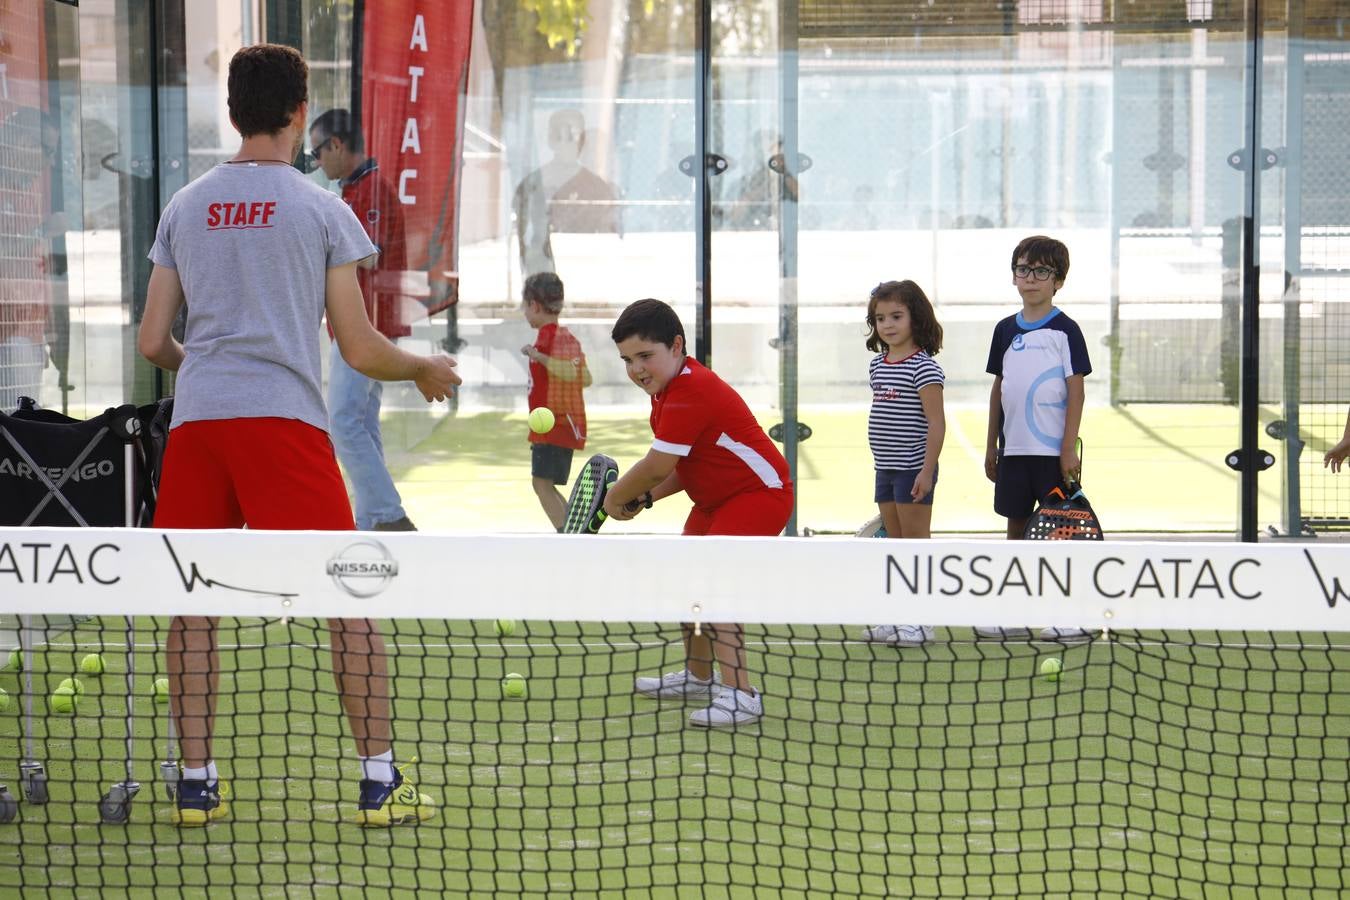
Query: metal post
column 702, row 184
column 787, row 239
column 1251, row 273
column 1293, row 266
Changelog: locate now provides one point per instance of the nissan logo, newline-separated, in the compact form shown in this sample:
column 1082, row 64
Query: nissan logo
column 363, row 568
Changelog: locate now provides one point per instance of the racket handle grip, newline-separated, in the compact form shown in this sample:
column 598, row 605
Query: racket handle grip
column 643, row 502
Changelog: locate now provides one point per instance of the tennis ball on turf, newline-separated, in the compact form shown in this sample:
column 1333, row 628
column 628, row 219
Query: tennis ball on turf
column 541, row 420
column 15, row 663
column 513, row 685
column 75, row 685
column 161, row 690
column 4, row 700
column 1051, row 668
column 63, row 700
column 505, row 627
column 92, row 664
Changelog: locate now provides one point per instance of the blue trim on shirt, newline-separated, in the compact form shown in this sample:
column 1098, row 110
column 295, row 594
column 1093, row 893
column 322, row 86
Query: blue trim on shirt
column 1032, row 326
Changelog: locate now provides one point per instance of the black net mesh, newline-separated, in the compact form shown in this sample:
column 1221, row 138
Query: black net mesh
column 1165, row 764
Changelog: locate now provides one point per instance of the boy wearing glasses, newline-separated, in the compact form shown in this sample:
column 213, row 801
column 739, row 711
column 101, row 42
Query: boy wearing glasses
column 1038, row 359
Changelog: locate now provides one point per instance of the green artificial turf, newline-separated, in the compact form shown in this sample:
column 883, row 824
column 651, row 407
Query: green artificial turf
column 1147, row 468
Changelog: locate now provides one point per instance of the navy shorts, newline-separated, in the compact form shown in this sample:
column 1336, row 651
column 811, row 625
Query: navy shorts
column 552, row 462
column 894, row 485
column 1022, row 481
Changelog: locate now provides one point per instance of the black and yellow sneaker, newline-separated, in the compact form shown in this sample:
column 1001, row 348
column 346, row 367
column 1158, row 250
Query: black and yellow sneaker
column 385, row 805
column 200, row 803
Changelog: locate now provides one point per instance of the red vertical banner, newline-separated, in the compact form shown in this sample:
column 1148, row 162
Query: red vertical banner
column 414, row 70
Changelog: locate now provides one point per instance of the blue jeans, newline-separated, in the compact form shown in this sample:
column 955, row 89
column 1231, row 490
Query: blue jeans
column 354, row 422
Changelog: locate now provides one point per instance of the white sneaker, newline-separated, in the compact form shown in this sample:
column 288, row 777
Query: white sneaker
column 879, row 634
column 679, row 686
column 899, row 635
column 1001, row 634
column 731, row 709
column 913, row 635
column 1067, row 635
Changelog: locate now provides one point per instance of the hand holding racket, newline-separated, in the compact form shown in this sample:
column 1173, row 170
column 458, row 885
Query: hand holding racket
column 1071, row 463
column 1064, row 516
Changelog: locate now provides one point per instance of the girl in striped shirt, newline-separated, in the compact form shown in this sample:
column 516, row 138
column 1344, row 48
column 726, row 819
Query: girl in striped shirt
column 906, row 425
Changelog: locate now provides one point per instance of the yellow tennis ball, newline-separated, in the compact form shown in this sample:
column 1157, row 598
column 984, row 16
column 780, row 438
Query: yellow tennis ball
column 4, row 700
column 15, row 663
column 1051, row 668
column 504, row 627
column 92, row 664
column 63, row 700
column 73, row 683
column 161, row 690
column 513, row 685
column 541, row 420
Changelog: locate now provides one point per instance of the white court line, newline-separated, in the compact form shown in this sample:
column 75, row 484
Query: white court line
column 954, row 427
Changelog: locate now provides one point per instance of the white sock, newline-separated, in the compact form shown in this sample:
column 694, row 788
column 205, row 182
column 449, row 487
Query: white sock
column 379, row 768
column 212, row 776
column 191, row 774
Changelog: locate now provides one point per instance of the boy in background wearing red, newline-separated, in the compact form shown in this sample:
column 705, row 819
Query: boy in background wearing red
column 558, row 374
column 707, row 444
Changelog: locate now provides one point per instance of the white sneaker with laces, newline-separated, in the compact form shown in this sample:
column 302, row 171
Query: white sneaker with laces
column 679, row 685
column 1001, row 634
column 912, row 635
column 1068, row 635
column 899, row 635
column 731, row 709
column 879, row 634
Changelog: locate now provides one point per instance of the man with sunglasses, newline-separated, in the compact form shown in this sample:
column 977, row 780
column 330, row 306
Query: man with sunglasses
column 353, row 399
column 1039, row 359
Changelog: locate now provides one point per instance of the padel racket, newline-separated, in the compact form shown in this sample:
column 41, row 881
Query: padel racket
column 1064, row 516
column 586, row 506
column 872, row 528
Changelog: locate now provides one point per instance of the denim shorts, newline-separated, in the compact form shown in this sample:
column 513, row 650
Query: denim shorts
column 894, row 485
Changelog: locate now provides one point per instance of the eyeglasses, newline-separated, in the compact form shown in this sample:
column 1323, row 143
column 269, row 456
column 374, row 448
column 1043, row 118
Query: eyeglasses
column 318, row 148
column 1040, row 273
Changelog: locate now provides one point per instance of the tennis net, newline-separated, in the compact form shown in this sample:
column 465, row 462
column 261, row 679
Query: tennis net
column 1196, row 741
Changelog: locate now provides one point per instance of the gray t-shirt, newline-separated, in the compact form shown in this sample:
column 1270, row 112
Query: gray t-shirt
column 252, row 245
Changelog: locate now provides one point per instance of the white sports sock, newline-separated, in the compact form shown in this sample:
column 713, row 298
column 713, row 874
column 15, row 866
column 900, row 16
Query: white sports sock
column 212, row 775
column 379, row 768
column 191, row 774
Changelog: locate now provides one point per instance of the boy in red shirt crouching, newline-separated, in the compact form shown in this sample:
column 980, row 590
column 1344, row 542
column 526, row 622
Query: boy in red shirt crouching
column 707, row 444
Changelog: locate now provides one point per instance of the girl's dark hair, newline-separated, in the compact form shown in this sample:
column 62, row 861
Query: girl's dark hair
column 651, row 320
column 923, row 321
column 267, row 83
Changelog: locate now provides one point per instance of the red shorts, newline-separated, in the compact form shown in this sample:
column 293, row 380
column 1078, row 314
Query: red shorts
column 762, row 513
column 267, row 473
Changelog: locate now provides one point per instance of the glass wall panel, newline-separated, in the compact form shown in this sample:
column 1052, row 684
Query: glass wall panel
column 1305, row 262
column 40, row 206
column 573, row 130
column 939, row 141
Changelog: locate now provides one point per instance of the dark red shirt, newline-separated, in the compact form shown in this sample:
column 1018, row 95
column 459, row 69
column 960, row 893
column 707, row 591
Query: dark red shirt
column 377, row 207
column 563, row 398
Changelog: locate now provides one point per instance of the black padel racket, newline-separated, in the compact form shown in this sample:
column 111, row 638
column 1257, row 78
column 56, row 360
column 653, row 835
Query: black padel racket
column 1064, row 516
column 586, row 506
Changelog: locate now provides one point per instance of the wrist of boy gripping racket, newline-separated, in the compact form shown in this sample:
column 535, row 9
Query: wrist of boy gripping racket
column 642, row 502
